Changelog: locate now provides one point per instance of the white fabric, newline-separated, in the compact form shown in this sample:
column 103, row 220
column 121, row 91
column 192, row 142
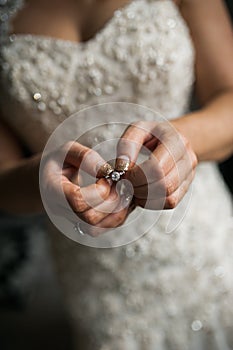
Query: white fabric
column 162, row 291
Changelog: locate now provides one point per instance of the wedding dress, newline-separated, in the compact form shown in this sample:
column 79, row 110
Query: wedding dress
column 163, row 291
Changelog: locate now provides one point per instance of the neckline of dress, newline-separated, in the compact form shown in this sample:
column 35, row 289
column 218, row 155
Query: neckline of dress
column 77, row 44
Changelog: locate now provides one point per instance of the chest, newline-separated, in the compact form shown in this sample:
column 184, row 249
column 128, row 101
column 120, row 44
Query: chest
column 143, row 54
column 69, row 20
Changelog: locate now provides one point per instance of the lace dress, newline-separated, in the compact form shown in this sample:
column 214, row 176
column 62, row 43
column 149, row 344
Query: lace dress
column 163, row 291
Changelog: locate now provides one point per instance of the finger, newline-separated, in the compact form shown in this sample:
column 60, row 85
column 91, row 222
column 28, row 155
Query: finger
column 58, row 187
column 151, row 144
column 52, row 180
column 69, row 214
column 114, row 220
column 149, row 134
column 86, row 159
column 177, row 147
column 176, row 197
column 147, row 172
column 71, row 173
column 131, row 142
column 167, row 185
column 110, row 222
column 82, row 199
column 160, row 162
column 117, row 218
column 181, row 172
column 94, row 215
column 169, row 202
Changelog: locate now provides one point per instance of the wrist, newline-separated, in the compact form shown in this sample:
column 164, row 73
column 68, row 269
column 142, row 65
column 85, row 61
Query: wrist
column 203, row 135
column 187, row 126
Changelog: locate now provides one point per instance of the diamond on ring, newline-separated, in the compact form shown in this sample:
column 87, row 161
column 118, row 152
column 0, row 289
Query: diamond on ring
column 77, row 227
column 115, row 175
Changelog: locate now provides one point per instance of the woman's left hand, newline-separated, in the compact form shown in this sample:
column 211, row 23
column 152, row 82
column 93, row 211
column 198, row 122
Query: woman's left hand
column 161, row 181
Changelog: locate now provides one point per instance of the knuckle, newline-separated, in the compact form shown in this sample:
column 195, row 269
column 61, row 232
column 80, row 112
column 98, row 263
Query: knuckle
column 170, row 186
column 192, row 154
column 184, row 140
column 79, row 205
column 194, row 159
column 77, row 201
column 160, row 169
column 68, row 190
column 91, row 217
column 171, row 201
column 119, row 219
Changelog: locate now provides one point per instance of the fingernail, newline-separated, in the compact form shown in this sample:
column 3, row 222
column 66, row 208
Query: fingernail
column 104, row 170
column 122, row 163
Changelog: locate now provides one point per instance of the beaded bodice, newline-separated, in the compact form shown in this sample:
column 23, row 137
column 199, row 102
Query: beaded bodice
column 143, row 55
column 162, row 291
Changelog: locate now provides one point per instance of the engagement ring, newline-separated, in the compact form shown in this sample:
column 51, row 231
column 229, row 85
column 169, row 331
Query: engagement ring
column 115, row 175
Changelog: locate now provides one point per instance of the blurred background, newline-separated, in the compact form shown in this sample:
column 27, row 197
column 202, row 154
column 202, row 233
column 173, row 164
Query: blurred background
column 32, row 313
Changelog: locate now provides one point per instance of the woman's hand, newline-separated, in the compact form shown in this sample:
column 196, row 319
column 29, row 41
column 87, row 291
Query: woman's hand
column 98, row 204
column 162, row 180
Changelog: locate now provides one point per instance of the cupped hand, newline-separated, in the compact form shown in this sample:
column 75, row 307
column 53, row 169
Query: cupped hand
column 161, row 181
column 98, row 204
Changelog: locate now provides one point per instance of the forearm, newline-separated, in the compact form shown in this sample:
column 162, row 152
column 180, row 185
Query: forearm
column 210, row 130
column 19, row 187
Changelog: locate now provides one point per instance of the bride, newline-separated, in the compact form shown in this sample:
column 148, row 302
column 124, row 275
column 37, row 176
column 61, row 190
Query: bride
column 161, row 291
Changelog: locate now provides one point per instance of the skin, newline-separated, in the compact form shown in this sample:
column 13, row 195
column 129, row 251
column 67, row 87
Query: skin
column 200, row 136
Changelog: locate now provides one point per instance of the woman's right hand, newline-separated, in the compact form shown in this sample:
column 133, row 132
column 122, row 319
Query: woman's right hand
column 97, row 204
